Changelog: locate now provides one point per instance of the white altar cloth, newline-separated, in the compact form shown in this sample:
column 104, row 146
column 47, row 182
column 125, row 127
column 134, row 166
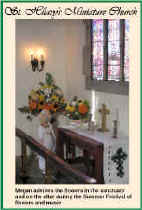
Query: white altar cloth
column 111, row 148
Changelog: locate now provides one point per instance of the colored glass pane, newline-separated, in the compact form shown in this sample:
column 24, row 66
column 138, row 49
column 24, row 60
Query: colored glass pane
column 126, row 57
column 97, row 49
column 113, row 50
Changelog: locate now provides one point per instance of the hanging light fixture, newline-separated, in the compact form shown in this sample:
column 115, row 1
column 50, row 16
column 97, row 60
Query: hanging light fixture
column 37, row 60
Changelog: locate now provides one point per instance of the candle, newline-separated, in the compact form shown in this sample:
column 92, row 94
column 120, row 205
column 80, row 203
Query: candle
column 42, row 57
column 32, row 57
column 31, row 53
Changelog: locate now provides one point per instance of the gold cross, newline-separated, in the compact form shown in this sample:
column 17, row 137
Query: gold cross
column 104, row 111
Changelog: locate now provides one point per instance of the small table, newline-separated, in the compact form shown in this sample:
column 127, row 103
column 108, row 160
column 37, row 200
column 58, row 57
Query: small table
column 91, row 148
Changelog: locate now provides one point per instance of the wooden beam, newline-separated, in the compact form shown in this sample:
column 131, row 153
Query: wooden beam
column 23, row 159
column 48, row 177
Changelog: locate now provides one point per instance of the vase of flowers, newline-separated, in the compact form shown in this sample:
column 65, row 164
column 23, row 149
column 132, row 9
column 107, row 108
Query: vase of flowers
column 77, row 109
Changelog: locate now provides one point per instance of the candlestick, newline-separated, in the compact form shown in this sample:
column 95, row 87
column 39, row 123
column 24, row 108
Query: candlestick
column 115, row 128
column 89, row 121
column 117, row 114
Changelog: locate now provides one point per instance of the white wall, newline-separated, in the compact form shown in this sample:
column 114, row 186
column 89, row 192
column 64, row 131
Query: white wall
column 63, row 42
column 75, row 41
column 114, row 103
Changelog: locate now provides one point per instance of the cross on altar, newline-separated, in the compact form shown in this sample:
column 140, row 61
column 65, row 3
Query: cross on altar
column 104, row 111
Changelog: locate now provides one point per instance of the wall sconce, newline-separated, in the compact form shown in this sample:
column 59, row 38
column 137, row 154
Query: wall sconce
column 37, row 60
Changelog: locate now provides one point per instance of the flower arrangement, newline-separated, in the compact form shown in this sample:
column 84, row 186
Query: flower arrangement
column 77, row 109
column 47, row 97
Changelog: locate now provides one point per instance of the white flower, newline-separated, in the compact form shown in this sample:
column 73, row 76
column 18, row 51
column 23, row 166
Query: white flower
column 73, row 103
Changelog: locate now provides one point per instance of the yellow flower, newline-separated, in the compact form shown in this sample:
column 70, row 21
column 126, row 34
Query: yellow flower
column 32, row 92
column 34, row 95
column 70, row 108
column 67, row 107
column 55, row 98
column 46, row 86
column 41, row 98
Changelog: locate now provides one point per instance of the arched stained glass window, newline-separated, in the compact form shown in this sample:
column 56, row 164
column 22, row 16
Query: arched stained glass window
column 109, row 41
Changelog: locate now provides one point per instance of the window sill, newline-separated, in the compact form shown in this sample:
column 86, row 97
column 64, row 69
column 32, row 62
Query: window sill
column 121, row 88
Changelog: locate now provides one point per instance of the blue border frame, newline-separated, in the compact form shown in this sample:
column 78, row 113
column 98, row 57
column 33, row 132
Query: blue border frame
column 1, row 90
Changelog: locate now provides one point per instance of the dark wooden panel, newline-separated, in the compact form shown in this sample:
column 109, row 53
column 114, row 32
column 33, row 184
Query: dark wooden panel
column 90, row 147
column 58, row 162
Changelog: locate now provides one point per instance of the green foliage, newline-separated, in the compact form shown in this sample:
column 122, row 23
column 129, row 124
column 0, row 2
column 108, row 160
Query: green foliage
column 87, row 103
column 49, row 79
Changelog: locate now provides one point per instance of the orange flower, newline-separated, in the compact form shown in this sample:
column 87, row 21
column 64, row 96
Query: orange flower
column 48, row 106
column 52, row 108
column 32, row 105
column 82, row 108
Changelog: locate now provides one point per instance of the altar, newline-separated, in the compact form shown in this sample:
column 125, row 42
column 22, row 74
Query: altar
column 110, row 156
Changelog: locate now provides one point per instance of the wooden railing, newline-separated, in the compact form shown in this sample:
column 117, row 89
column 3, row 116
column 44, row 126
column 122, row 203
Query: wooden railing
column 59, row 163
